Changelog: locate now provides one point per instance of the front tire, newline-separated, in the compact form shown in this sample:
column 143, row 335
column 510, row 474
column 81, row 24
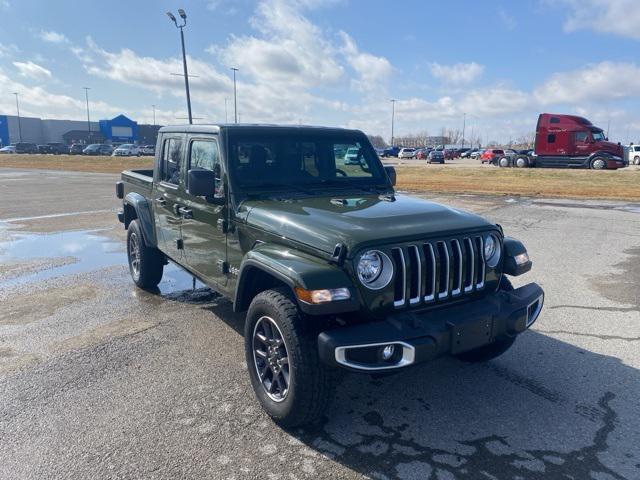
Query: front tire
column 636, row 160
column 598, row 163
column 495, row 349
column 281, row 352
column 145, row 263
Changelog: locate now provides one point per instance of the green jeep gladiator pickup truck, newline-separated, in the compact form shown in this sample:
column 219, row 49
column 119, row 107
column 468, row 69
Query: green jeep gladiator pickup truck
column 334, row 269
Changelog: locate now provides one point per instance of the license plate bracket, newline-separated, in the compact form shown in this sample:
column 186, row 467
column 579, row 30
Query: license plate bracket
column 469, row 335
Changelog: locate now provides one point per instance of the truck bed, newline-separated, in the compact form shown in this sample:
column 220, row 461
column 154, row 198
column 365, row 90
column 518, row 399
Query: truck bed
column 139, row 181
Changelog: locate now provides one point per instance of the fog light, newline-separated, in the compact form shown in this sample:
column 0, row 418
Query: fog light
column 387, row 352
column 521, row 258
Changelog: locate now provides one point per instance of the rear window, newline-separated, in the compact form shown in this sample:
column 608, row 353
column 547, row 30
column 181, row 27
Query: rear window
column 498, row 152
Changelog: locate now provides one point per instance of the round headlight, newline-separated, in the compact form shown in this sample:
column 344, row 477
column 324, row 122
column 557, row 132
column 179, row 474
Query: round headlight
column 374, row 269
column 491, row 250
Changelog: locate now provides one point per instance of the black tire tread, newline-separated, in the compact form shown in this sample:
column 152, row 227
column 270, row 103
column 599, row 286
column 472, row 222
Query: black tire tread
column 314, row 393
column 151, row 260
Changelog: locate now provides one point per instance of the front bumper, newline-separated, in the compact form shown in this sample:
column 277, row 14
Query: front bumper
column 418, row 337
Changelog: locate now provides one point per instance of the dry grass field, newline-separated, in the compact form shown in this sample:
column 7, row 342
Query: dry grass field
column 77, row 163
column 612, row 185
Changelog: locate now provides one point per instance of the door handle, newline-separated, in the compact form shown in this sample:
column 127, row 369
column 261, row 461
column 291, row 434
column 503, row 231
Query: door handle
column 161, row 201
column 185, row 212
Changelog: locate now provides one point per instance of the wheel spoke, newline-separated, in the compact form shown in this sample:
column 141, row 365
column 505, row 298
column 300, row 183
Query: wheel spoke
column 261, row 354
column 261, row 337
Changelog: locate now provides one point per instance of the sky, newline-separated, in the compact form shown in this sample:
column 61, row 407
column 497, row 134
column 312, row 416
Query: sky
column 493, row 65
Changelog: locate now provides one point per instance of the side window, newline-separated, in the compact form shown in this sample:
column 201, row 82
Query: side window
column 551, row 138
column 204, row 155
column 171, row 160
column 581, row 137
column 554, row 120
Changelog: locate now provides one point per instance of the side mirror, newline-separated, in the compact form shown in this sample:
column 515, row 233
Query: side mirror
column 202, row 183
column 391, row 173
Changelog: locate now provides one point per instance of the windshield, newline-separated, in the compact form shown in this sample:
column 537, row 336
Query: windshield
column 598, row 135
column 285, row 160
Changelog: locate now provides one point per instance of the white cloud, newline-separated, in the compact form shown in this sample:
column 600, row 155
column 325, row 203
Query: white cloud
column 619, row 17
column 32, row 70
column 8, row 50
column 599, row 82
column 458, row 73
column 290, row 51
column 53, row 37
column 372, row 70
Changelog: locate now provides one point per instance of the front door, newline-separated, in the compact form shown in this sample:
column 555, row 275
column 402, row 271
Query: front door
column 205, row 243
column 167, row 193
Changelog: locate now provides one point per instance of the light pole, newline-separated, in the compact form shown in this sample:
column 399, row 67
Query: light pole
column 154, row 115
column 226, row 116
column 464, row 124
column 393, row 115
column 19, row 121
column 235, row 96
column 183, row 15
column 86, row 95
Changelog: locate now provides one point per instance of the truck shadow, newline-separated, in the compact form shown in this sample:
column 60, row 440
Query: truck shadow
column 546, row 409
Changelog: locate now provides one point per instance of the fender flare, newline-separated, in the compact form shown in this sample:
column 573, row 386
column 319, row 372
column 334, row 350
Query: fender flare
column 143, row 212
column 602, row 153
column 294, row 269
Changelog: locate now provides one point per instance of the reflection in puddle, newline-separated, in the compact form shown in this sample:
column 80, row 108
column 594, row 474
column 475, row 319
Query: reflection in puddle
column 91, row 251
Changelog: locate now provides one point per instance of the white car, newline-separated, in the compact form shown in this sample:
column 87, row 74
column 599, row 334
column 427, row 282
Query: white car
column 127, row 150
column 351, row 157
column 8, row 149
column 407, row 153
column 633, row 154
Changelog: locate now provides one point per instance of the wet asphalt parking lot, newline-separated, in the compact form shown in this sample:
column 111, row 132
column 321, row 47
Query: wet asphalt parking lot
column 100, row 380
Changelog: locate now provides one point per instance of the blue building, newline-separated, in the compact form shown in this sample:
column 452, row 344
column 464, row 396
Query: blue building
column 119, row 130
column 4, row 130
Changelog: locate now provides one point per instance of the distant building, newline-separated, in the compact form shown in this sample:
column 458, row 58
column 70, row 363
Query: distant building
column 120, row 129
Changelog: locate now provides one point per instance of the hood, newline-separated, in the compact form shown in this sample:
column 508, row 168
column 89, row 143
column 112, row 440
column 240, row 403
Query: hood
column 358, row 221
column 611, row 147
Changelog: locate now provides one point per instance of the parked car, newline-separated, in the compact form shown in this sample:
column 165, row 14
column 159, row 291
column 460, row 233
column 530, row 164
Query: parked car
column 43, row 149
column 435, row 156
column 148, row 150
column 8, row 149
column 127, row 150
column 476, row 154
column 58, row 148
column 98, row 149
column 633, row 154
column 76, row 149
column 391, row 152
column 406, row 153
column 421, row 153
column 491, row 155
column 468, row 153
column 24, row 147
column 349, row 275
column 351, row 157
column 449, row 154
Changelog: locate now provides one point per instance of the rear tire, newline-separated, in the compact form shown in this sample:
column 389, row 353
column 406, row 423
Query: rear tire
column 309, row 385
column 145, row 263
column 504, row 162
column 522, row 162
column 495, row 349
column 598, row 163
column 636, row 160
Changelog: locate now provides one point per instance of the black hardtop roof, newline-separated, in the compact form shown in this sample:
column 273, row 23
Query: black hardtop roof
column 256, row 128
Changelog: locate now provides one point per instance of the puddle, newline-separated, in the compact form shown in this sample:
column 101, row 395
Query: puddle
column 91, row 250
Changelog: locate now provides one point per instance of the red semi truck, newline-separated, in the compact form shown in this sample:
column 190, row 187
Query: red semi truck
column 569, row 141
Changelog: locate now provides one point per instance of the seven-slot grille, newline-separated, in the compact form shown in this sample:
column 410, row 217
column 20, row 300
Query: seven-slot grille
column 436, row 271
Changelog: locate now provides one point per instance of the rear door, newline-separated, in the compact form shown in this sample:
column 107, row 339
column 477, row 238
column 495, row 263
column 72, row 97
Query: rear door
column 205, row 242
column 168, row 191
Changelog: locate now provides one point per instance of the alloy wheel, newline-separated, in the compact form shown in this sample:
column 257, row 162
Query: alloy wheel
column 271, row 359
